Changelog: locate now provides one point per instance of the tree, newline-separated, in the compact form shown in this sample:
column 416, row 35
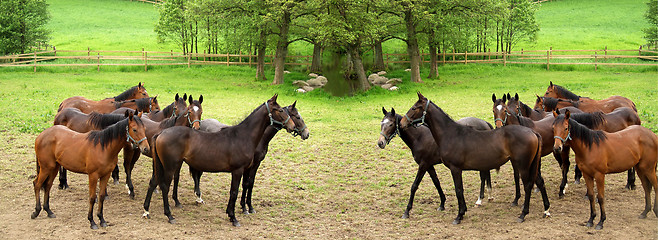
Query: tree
column 22, row 25
column 651, row 33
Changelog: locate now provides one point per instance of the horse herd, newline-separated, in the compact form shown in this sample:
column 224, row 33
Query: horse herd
column 605, row 135
column 87, row 136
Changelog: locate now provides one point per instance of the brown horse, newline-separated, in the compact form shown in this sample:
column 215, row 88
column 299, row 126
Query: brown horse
column 139, row 106
column 178, row 105
column 464, row 148
column 426, row 152
column 587, row 104
column 517, row 107
column 190, row 118
column 229, row 150
column 93, row 153
column 87, row 106
column 599, row 153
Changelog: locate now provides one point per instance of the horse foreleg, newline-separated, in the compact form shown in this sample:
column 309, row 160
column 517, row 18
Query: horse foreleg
column 63, row 184
column 93, row 180
column 196, row 176
column 236, row 175
column 248, row 179
column 517, row 187
column 252, row 180
column 115, row 174
column 437, row 185
column 46, row 194
column 563, row 159
column 647, row 193
column 600, row 187
column 149, row 193
column 419, row 177
column 484, row 177
column 103, row 194
column 459, row 191
column 589, row 181
column 130, row 157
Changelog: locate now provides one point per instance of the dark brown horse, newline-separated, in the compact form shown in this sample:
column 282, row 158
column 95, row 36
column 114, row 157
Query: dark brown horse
column 87, row 106
column 248, row 178
column 599, row 153
column 93, row 153
column 174, row 109
column 517, row 107
column 426, row 152
column 139, row 105
column 190, row 118
column 464, row 148
column 585, row 103
column 230, row 150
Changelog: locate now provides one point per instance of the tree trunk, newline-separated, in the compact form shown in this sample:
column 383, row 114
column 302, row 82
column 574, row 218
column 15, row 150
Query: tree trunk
column 379, row 57
column 363, row 83
column 412, row 47
column 260, row 59
column 316, row 62
column 434, row 71
column 281, row 49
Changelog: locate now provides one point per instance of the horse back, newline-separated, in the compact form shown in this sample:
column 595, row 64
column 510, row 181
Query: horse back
column 626, row 148
column 67, row 147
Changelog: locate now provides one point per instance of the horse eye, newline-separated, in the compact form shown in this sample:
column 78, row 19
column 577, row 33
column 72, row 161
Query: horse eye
column 134, row 130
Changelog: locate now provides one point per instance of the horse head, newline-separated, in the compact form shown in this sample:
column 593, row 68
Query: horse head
column 500, row 111
column 279, row 118
column 389, row 128
column 416, row 113
column 136, row 133
column 561, row 132
column 300, row 125
column 193, row 112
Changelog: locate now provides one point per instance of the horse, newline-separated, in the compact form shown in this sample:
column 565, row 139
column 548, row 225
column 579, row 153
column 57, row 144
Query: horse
column 599, row 153
column 87, row 106
column 80, row 122
column 517, row 107
column 606, row 105
column 179, row 105
column 248, row 178
column 426, row 152
column 140, row 106
column 93, row 153
column 191, row 118
column 230, row 150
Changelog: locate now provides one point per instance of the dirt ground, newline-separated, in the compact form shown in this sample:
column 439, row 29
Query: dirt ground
column 333, row 209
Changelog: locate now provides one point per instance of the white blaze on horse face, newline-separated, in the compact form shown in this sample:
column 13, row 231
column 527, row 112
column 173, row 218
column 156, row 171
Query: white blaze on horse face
column 195, row 108
column 386, row 121
column 499, row 107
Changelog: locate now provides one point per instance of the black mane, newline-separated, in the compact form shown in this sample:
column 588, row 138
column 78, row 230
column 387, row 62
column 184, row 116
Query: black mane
column 579, row 131
column 551, row 103
column 168, row 111
column 106, row 136
column 168, row 122
column 590, row 120
column 566, row 93
column 126, row 94
column 143, row 104
column 101, row 121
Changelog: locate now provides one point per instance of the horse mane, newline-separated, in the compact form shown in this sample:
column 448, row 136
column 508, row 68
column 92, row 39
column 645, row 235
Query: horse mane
column 126, row 94
column 450, row 120
column 169, row 110
column 588, row 136
column 104, row 137
column 566, row 93
column 143, row 104
column 524, row 107
column 525, row 121
column 168, row 122
column 551, row 103
column 589, row 120
column 101, row 121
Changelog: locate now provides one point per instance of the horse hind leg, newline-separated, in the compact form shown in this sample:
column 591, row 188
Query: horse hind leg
column 46, row 195
column 437, row 185
column 419, row 177
column 93, row 180
column 63, row 183
column 484, row 177
column 630, row 182
column 600, row 187
column 103, row 194
column 647, row 193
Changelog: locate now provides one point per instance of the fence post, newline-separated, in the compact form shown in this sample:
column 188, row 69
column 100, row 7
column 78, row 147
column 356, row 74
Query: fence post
column 35, row 60
column 188, row 60
column 98, row 69
column 639, row 52
column 55, row 50
column 605, row 52
column 453, row 55
column 595, row 66
column 504, row 58
column 444, row 56
column 548, row 58
column 145, row 62
column 88, row 54
column 228, row 60
column 240, row 57
column 204, row 55
column 465, row 57
column 250, row 59
column 172, row 54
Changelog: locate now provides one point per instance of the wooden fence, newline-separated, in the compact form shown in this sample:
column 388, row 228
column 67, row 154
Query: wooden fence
column 99, row 58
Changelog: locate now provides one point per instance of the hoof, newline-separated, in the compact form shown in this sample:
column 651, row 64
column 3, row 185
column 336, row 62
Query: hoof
column 514, row 204
column 172, row 221
column 103, row 224
column 478, row 203
column 51, row 215
column 116, row 181
column 94, row 227
column 630, row 187
column 405, row 216
column 490, row 199
column 589, row 224
column 547, row 214
column 245, row 212
column 236, row 223
column 63, row 187
column 441, row 208
column 642, row 216
column 520, row 219
column 456, row 221
column 560, row 196
column 132, row 196
column 252, row 211
column 598, row 227
column 179, row 205
column 36, row 214
column 146, row 215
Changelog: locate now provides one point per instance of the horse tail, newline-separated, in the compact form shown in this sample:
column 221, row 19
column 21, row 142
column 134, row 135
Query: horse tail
column 536, row 163
column 158, row 168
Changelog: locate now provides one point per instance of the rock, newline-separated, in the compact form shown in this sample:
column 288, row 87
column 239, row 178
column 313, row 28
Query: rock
column 300, row 90
column 387, row 86
column 381, row 73
column 315, row 82
column 286, row 71
column 393, row 88
column 299, row 83
column 372, row 77
column 408, row 70
column 307, row 88
column 323, row 80
column 394, row 81
column 380, row 80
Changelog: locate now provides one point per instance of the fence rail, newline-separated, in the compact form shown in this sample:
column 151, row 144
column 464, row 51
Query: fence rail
column 98, row 58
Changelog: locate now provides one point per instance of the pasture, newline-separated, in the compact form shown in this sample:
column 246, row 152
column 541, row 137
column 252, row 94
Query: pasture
column 337, row 183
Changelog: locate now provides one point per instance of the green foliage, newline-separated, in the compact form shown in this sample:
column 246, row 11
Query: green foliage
column 22, row 25
column 651, row 33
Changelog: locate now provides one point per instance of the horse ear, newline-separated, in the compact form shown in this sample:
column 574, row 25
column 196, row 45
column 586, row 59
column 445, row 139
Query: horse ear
column 567, row 114
column 420, row 96
column 493, row 97
column 293, row 105
column 504, row 98
column 129, row 114
column 140, row 114
column 185, row 97
column 555, row 114
column 200, row 99
column 551, row 84
column 384, row 111
column 273, row 99
column 176, row 97
column 393, row 111
column 516, row 96
column 190, row 99
column 509, row 97
column 140, row 85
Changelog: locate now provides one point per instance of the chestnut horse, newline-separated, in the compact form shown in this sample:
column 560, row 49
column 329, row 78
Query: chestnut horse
column 93, row 153
column 599, row 153
column 517, row 107
column 87, row 106
column 190, row 118
column 138, row 106
column 426, row 152
column 230, row 150
column 178, row 105
column 464, row 148
column 248, row 178
column 605, row 105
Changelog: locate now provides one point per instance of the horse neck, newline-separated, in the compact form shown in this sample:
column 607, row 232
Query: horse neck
column 254, row 124
column 524, row 121
column 407, row 134
column 440, row 122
